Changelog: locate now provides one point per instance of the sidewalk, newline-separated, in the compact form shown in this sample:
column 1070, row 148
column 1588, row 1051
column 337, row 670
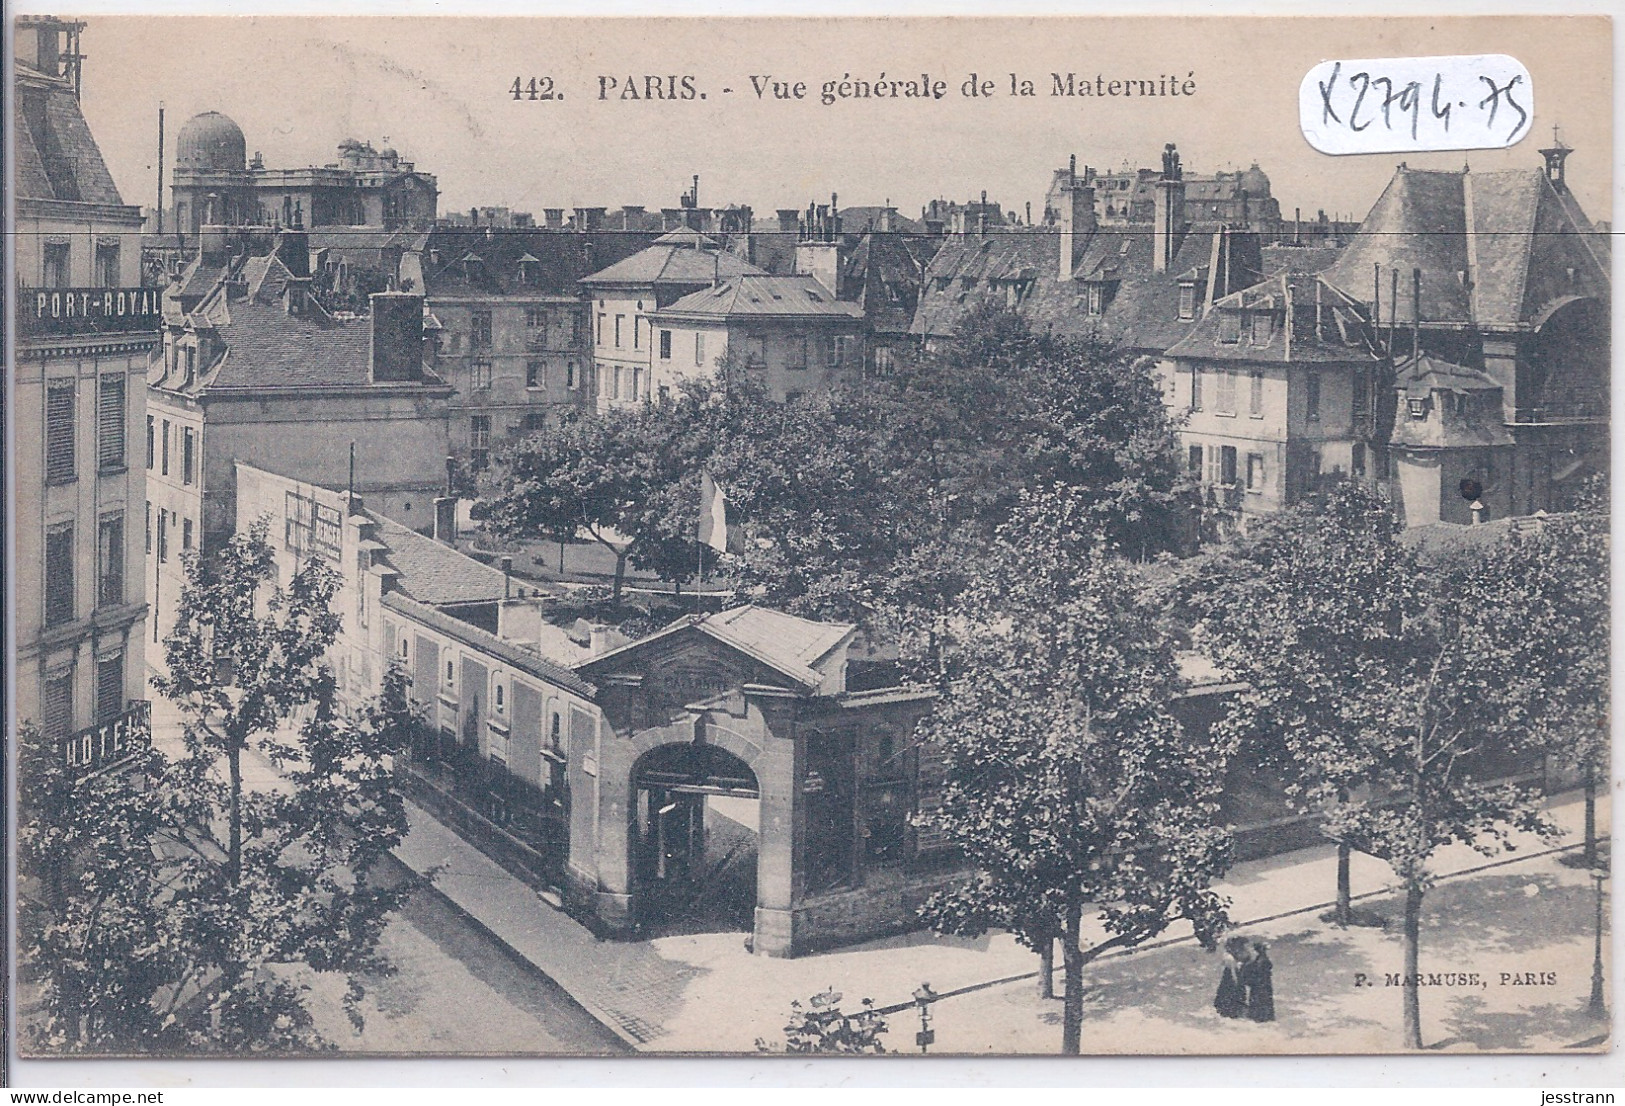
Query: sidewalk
column 705, row 993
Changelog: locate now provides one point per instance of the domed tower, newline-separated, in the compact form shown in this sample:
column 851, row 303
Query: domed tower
column 211, row 141
column 211, row 183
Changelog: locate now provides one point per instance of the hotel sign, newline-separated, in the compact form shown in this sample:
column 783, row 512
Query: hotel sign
column 78, row 311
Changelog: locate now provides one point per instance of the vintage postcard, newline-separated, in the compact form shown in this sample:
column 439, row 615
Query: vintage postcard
column 744, row 536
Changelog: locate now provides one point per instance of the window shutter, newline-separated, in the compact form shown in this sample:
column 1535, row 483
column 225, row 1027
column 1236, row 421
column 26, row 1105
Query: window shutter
column 59, row 402
column 110, row 424
column 58, row 707
column 59, row 575
column 110, row 688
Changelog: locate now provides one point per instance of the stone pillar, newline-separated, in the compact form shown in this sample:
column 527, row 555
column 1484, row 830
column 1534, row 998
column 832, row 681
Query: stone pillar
column 613, row 899
column 778, row 769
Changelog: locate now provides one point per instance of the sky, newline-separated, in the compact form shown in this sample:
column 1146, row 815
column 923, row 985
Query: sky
column 439, row 90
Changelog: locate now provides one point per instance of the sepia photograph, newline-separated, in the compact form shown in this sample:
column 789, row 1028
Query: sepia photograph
column 923, row 536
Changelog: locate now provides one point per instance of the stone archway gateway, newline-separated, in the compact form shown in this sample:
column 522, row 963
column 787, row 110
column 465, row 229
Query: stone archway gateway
column 694, row 837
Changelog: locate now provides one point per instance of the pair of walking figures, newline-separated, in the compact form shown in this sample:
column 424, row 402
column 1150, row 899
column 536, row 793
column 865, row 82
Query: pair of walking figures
column 1247, row 988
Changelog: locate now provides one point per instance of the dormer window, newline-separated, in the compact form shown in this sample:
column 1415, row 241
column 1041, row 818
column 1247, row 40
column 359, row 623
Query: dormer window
column 1095, row 297
column 1263, row 327
column 530, row 271
column 1187, row 301
column 1230, row 327
column 1418, row 409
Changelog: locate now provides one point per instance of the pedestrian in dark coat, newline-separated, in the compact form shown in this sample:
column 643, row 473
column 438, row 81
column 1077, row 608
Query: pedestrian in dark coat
column 1257, row 978
column 1231, row 999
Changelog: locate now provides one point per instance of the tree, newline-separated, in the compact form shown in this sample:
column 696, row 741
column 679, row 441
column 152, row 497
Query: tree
column 1412, row 676
column 1070, row 787
column 1286, row 609
column 1563, row 562
column 263, row 878
column 92, row 926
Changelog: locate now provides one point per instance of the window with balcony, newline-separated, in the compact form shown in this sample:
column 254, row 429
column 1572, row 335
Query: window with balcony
column 55, row 271
column 61, row 397
column 59, row 562
column 107, row 265
column 110, row 561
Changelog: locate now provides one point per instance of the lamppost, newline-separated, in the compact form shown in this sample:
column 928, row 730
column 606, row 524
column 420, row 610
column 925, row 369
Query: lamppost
column 923, row 998
column 1599, row 1007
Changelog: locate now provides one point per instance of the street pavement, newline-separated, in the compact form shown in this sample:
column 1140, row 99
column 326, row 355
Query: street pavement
column 1517, row 915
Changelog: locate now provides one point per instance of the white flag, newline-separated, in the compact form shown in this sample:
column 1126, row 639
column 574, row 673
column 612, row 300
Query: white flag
column 713, row 514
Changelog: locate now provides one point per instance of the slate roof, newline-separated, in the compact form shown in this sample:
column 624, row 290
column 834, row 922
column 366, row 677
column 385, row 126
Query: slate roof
column 59, row 161
column 1338, row 338
column 467, row 261
column 675, row 259
column 1446, row 428
column 787, row 644
column 1300, row 259
column 1143, row 308
column 261, row 346
column 1495, row 248
column 433, row 572
column 882, row 274
column 761, row 297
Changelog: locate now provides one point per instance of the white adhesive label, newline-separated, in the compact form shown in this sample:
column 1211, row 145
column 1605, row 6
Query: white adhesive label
column 1398, row 105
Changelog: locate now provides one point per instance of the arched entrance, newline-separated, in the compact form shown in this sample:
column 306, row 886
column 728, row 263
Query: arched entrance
column 694, row 839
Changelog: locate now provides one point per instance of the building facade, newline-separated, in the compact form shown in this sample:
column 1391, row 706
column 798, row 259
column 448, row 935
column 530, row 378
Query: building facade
column 252, row 369
column 622, row 296
column 85, row 328
column 789, row 331
column 513, row 335
column 1449, row 355
column 214, row 183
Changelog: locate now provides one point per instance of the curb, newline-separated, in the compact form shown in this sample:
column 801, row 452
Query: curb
column 592, row 1010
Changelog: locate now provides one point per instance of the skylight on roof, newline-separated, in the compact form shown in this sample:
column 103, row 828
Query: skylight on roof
column 814, row 296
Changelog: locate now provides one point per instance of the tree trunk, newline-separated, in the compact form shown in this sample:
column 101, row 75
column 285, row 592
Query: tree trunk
column 1072, row 1004
column 620, row 578
column 1591, row 816
column 1046, row 967
column 234, row 812
column 1345, row 896
column 1410, row 992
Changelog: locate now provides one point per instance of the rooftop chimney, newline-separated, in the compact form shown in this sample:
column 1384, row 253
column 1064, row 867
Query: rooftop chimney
column 1076, row 220
column 1169, row 211
column 397, row 337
